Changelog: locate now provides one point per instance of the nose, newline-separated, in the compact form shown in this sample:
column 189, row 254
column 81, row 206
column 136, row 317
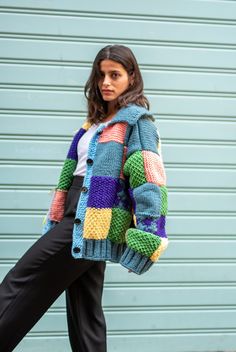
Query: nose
column 106, row 81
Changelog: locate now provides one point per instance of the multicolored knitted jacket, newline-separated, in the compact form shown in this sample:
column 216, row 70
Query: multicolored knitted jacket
column 125, row 180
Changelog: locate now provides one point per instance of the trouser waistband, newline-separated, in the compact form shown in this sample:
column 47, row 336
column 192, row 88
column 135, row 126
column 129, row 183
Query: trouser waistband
column 77, row 181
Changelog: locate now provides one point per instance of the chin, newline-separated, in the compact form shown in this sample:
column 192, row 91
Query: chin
column 109, row 99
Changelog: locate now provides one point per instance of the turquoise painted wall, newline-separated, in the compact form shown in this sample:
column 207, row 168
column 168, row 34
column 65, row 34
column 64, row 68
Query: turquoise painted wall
column 186, row 51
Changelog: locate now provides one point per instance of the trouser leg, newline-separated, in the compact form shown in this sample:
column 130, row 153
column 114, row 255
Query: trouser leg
column 35, row 282
column 39, row 278
column 85, row 317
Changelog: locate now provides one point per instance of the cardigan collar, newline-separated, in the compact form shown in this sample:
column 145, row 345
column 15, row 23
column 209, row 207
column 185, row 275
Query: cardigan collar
column 130, row 113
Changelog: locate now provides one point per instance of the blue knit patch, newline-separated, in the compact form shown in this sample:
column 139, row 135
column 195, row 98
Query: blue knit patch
column 108, row 159
column 151, row 139
column 83, row 199
column 134, row 141
column 138, row 142
column 48, row 226
column 148, row 200
column 131, row 196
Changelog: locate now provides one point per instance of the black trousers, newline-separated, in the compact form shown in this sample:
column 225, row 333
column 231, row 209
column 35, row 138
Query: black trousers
column 39, row 278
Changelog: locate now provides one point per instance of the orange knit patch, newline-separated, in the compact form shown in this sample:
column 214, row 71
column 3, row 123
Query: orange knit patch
column 123, row 162
column 154, row 168
column 58, row 206
column 162, row 247
column 114, row 133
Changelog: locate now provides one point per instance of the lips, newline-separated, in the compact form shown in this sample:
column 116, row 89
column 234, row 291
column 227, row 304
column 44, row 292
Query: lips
column 107, row 91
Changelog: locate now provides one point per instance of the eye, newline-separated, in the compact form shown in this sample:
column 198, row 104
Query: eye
column 115, row 75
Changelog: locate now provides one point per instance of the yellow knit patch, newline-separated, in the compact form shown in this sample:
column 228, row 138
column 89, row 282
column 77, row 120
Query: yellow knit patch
column 86, row 125
column 97, row 223
column 155, row 256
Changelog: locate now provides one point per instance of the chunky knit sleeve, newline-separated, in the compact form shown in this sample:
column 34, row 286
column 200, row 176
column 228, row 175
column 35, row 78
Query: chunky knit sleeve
column 57, row 206
column 147, row 187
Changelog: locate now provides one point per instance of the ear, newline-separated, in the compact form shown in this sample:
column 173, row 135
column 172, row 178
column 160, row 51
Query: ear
column 131, row 79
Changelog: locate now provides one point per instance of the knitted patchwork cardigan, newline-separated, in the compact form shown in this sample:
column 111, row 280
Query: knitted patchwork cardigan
column 122, row 207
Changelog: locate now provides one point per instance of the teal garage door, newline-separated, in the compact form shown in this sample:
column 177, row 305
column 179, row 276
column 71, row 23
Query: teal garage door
column 186, row 50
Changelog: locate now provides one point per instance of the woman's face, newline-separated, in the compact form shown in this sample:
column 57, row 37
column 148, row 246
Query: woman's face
column 114, row 80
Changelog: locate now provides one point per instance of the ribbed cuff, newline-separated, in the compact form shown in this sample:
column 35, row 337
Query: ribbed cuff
column 117, row 249
column 135, row 261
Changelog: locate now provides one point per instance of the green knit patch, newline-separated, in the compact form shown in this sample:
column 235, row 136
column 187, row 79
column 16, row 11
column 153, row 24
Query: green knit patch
column 66, row 175
column 134, row 168
column 143, row 242
column 164, row 200
column 120, row 222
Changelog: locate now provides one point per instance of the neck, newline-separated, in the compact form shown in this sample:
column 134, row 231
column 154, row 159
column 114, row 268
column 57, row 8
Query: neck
column 111, row 111
column 111, row 108
column 109, row 117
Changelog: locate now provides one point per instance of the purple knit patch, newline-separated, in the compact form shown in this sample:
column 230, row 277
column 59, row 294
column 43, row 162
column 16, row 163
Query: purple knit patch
column 153, row 225
column 102, row 192
column 72, row 153
column 161, row 222
column 161, row 226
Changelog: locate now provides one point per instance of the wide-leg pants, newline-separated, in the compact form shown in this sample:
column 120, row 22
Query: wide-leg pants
column 39, row 278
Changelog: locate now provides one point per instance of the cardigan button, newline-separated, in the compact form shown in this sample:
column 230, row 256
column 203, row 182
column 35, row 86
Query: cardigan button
column 90, row 161
column 76, row 249
column 77, row 221
column 84, row 189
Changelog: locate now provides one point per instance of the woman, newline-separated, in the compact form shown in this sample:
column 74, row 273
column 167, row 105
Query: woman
column 110, row 204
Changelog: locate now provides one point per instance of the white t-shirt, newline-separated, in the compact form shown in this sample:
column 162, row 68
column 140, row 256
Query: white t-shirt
column 82, row 149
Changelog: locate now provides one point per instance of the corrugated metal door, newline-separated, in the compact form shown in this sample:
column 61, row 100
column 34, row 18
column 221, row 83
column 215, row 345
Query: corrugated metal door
column 186, row 50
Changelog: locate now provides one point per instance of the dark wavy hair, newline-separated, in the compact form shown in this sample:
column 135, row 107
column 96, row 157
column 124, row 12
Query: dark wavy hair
column 97, row 107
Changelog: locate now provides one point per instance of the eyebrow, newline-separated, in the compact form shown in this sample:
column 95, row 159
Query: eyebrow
column 111, row 71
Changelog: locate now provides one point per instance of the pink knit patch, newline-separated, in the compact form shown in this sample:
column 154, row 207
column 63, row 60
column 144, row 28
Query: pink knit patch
column 114, row 133
column 58, row 206
column 154, row 168
column 123, row 162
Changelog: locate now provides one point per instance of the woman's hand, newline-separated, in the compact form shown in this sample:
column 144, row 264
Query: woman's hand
column 130, row 271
